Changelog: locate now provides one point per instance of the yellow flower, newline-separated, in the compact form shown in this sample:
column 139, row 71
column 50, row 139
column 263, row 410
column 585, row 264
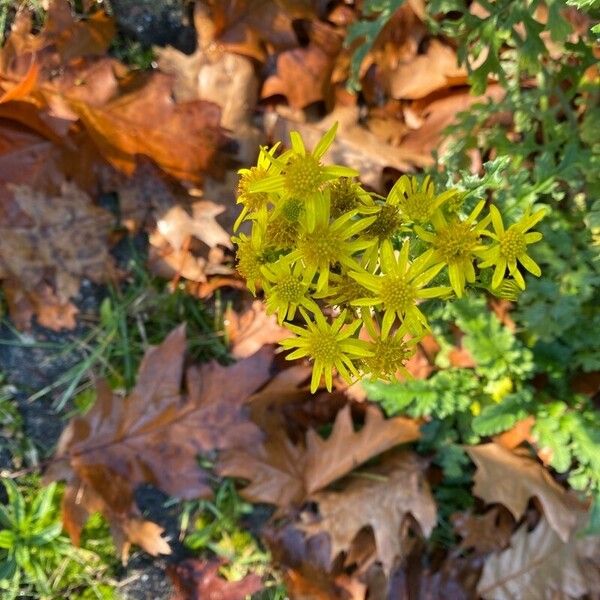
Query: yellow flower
column 302, row 175
column 251, row 256
column 455, row 243
column 347, row 195
column 342, row 290
column 254, row 202
column 400, row 287
column 330, row 346
column 511, row 246
column 286, row 288
column 326, row 244
column 417, row 204
column 389, row 354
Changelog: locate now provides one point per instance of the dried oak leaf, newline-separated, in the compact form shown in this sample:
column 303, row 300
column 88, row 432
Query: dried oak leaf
column 485, row 533
column 174, row 250
column 540, row 566
column 250, row 27
column 425, row 73
column 195, row 579
column 303, row 75
column 433, row 114
column 62, row 39
column 395, row 489
column 512, row 479
column 155, row 434
column 282, row 473
column 182, row 138
column 47, row 244
column 251, row 330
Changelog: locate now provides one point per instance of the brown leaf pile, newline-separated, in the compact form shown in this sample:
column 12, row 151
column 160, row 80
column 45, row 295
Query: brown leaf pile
column 154, row 436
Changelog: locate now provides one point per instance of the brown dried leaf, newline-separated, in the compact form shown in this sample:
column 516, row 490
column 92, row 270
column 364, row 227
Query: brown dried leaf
column 540, row 566
column 425, row 73
column 304, row 75
column 196, row 579
column 227, row 79
column 61, row 39
column 436, row 113
column 395, row 489
column 155, row 434
column 248, row 26
column 183, row 139
column 484, row 533
column 512, row 479
column 282, row 473
column 251, row 330
column 56, row 240
column 344, row 450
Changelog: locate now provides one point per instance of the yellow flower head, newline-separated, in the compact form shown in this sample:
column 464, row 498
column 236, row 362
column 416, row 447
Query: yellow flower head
column 417, row 204
column 330, row 346
column 389, row 355
column 347, row 195
column 455, row 244
column 254, row 202
column 328, row 243
column 250, row 256
column 302, row 175
column 286, row 288
column 510, row 246
column 342, row 290
column 399, row 287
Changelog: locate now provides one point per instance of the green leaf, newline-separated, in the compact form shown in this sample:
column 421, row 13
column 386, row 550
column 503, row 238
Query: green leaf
column 7, row 539
column 368, row 31
column 500, row 417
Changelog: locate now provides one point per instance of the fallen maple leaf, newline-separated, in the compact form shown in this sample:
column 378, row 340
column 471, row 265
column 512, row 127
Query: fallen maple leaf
column 47, row 244
column 282, row 473
column 196, row 579
column 539, row 566
column 155, row 434
column 381, row 500
column 512, row 479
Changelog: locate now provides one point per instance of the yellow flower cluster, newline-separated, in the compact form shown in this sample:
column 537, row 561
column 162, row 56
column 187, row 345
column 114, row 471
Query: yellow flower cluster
column 357, row 267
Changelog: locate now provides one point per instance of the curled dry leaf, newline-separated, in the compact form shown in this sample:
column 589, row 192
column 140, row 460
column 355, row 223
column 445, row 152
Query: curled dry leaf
column 512, row 479
column 196, row 579
column 283, row 474
column 251, row 330
column 155, row 434
column 540, row 566
column 47, row 244
column 381, row 499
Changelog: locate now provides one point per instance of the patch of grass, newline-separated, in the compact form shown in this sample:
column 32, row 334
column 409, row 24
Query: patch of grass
column 216, row 528
column 36, row 558
column 131, row 318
